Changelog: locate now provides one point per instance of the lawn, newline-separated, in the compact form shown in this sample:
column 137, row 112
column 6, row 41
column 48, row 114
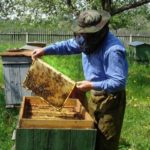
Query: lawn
column 136, row 128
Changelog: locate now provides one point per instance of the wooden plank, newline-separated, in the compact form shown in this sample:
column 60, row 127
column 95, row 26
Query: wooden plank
column 19, row 53
column 15, row 84
column 47, row 82
column 7, row 89
column 59, row 139
column 24, row 139
column 41, row 139
column 55, row 139
column 21, row 110
column 24, row 69
column 57, row 123
column 16, row 60
column 82, row 140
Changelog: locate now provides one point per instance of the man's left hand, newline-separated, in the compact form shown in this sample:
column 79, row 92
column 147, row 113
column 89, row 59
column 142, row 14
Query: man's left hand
column 84, row 85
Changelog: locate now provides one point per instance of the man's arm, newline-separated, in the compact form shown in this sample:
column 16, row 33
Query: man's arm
column 59, row 48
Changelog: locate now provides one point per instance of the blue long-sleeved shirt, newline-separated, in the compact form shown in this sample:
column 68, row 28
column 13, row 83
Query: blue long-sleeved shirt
column 106, row 68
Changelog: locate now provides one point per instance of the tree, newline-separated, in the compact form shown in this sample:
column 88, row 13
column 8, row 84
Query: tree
column 134, row 19
column 117, row 6
column 115, row 9
column 59, row 13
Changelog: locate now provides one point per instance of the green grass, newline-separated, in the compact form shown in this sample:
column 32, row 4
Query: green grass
column 69, row 65
column 136, row 127
column 7, row 45
column 138, row 82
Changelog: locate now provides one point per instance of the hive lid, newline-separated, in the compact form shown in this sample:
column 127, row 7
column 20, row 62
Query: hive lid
column 36, row 43
column 47, row 82
column 16, row 52
column 25, row 50
column 136, row 43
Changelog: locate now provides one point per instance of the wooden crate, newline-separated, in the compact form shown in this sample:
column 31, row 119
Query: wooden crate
column 71, row 130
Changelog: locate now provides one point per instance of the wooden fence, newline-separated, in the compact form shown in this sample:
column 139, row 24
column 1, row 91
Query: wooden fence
column 51, row 37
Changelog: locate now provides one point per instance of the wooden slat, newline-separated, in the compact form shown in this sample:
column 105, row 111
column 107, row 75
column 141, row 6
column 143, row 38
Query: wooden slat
column 15, row 83
column 24, row 139
column 23, row 72
column 16, row 60
column 41, row 137
column 47, row 82
column 55, row 139
column 7, row 89
column 21, row 110
column 57, row 123
column 18, row 53
column 86, row 140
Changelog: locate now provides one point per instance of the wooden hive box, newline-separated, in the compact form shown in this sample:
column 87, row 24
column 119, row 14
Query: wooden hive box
column 139, row 51
column 15, row 67
column 42, row 127
column 16, row 63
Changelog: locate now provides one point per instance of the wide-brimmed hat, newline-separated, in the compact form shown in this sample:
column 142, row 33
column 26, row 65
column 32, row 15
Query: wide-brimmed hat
column 91, row 21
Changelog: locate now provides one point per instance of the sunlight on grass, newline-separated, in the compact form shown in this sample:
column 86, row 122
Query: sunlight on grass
column 136, row 129
column 69, row 65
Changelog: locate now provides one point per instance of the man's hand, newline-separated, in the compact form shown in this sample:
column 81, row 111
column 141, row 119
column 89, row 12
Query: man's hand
column 84, row 85
column 37, row 53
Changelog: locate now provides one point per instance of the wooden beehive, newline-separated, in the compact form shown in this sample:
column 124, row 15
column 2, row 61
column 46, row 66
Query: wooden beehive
column 139, row 51
column 42, row 127
column 15, row 66
column 16, row 63
column 53, row 121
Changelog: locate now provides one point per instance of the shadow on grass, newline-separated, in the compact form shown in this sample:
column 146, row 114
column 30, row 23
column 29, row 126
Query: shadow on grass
column 8, row 122
column 123, row 144
column 7, row 115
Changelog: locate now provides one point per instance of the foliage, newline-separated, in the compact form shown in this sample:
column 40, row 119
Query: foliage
column 136, row 19
column 57, row 14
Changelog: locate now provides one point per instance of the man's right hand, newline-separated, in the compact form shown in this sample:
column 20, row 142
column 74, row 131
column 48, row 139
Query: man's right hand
column 37, row 53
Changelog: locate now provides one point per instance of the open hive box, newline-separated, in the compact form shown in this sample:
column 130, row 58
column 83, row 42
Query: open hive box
column 52, row 121
column 42, row 127
column 37, row 113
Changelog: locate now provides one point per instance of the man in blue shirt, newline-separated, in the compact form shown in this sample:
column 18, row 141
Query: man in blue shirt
column 105, row 70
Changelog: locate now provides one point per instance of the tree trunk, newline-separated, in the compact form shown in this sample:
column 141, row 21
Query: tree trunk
column 106, row 5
